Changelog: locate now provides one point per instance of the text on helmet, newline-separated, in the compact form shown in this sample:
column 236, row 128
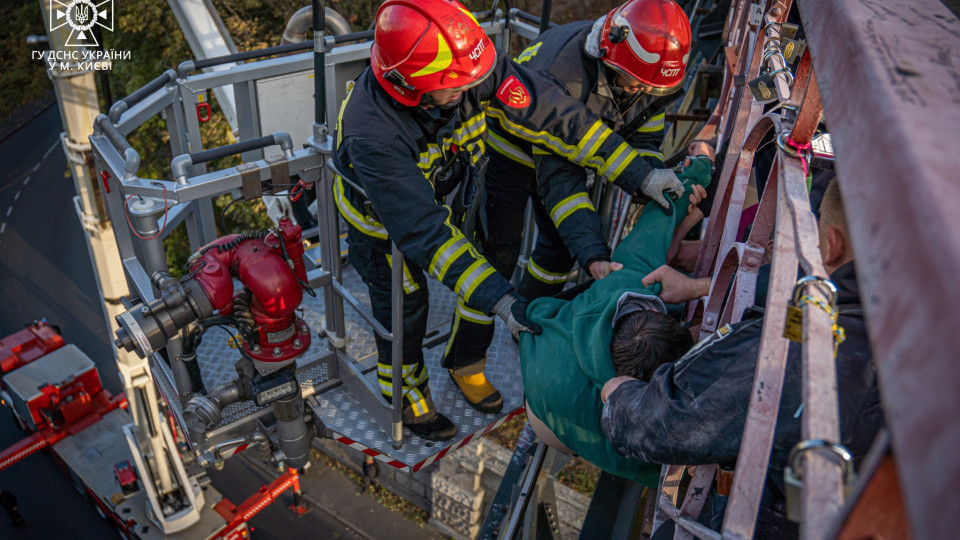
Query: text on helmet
column 478, row 50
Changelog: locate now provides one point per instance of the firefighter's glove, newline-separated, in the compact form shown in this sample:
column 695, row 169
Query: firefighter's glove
column 513, row 310
column 661, row 181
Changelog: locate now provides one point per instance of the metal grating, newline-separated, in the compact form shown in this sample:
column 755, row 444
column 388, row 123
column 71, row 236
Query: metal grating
column 342, row 413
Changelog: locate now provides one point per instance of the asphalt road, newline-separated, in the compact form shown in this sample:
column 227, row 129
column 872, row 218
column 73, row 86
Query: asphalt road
column 45, row 272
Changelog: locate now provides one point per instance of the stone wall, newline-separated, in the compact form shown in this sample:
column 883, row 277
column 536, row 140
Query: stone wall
column 458, row 489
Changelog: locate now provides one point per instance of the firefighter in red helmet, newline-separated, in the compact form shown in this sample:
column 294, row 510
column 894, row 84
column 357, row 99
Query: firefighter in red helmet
column 626, row 67
column 412, row 133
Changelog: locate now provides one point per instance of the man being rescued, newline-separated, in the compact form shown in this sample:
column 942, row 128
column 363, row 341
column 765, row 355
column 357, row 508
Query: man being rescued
column 566, row 366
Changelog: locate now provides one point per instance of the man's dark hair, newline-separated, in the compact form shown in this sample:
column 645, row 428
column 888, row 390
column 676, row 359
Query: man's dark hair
column 644, row 340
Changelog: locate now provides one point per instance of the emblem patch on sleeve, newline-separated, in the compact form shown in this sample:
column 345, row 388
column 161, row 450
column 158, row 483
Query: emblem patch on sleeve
column 513, row 93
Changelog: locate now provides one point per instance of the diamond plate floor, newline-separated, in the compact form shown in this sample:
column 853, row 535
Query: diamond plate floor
column 339, row 410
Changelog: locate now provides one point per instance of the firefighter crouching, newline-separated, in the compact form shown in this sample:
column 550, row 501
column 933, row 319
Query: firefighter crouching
column 412, row 134
column 625, row 67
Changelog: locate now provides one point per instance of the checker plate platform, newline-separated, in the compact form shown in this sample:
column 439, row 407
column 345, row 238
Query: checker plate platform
column 345, row 415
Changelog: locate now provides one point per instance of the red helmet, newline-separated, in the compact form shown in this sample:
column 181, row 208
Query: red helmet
column 648, row 40
column 424, row 45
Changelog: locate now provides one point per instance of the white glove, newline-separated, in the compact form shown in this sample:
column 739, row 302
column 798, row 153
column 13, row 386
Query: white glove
column 658, row 182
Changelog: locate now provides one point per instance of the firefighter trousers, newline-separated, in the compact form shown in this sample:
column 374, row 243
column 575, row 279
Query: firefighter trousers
column 372, row 259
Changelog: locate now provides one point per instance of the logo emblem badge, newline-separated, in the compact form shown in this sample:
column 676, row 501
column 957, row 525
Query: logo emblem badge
column 513, row 93
column 81, row 16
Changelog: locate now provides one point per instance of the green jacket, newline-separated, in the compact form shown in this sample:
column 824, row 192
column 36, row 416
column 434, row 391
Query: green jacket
column 565, row 367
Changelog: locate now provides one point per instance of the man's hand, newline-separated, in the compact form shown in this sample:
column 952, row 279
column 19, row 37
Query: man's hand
column 700, row 148
column 676, row 286
column 602, row 269
column 699, row 194
column 513, row 310
column 612, row 385
column 661, row 181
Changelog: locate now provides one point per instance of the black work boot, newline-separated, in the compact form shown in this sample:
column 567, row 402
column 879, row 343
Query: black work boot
column 425, row 422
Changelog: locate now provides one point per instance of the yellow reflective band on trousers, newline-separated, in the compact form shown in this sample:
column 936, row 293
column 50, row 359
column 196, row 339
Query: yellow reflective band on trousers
column 409, row 285
column 464, row 313
column 362, row 222
column 563, row 209
column 528, row 53
column 450, row 251
column 621, row 157
column 541, row 274
column 472, row 278
column 412, row 374
column 509, row 150
column 654, row 124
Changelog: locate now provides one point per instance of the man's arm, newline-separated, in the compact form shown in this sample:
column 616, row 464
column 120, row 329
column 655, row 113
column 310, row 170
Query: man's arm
column 563, row 189
column 692, row 411
column 404, row 201
column 530, row 106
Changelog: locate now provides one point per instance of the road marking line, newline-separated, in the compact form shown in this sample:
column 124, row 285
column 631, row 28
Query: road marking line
column 9, row 210
column 47, row 153
column 35, row 167
column 26, row 180
column 17, row 196
column 3, row 227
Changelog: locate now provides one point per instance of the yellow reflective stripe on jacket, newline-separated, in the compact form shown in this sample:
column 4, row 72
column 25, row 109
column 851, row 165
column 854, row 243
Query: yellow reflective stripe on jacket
column 617, row 162
column 543, row 137
column 528, row 53
column 450, row 251
column 472, row 278
column 654, row 124
column 651, row 153
column 362, row 222
column 544, row 275
column 409, row 285
column 595, row 136
column 571, row 204
column 509, row 150
column 472, row 315
column 343, row 107
column 611, row 167
column 429, row 158
column 473, row 127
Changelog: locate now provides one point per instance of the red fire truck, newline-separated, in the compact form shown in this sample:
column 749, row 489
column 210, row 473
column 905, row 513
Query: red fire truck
column 54, row 393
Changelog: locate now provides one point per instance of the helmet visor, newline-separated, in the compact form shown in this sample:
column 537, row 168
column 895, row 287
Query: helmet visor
column 627, row 81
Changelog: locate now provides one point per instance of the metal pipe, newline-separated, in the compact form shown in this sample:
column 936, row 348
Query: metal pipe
column 139, row 94
column 396, row 344
column 319, row 73
column 145, row 214
column 188, row 66
column 292, row 434
column 181, row 163
column 131, row 159
column 523, row 500
column 545, row 16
